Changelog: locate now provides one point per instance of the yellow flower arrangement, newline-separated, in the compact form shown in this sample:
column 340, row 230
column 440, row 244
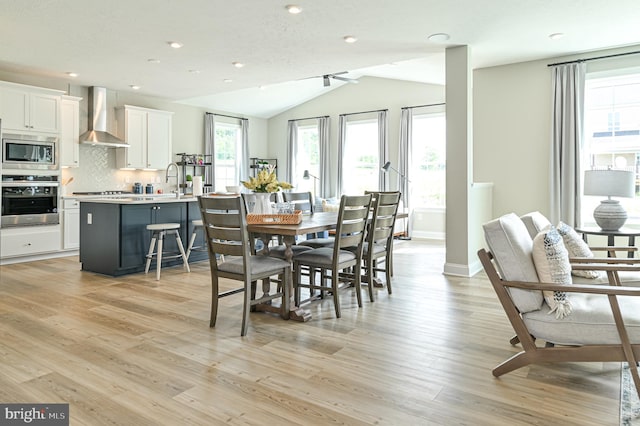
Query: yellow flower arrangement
column 266, row 181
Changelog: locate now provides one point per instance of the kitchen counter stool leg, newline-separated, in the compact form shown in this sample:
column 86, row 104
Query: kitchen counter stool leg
column 160, row 230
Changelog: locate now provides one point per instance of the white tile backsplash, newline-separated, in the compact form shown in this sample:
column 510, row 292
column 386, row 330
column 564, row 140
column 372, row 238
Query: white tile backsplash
column 98, row 172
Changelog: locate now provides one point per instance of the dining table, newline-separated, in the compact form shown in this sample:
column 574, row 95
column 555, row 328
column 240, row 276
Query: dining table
column 311, row 223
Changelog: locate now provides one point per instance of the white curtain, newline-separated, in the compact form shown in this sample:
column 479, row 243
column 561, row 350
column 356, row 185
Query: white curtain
column 383, row 150
column 243, row 158
column 325, row 173
column 342, row 136
column 404, row 154
column 566, row 139
column 209, row 147
column 291, row 174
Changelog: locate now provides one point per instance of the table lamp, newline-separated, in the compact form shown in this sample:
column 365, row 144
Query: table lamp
column 610, row 215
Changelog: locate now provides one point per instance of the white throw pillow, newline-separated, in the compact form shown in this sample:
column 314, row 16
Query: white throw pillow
column 551, row 260
column 577, row 248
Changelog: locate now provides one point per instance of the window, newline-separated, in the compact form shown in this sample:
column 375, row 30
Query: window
column 428, row 162
column 227, row 143
column 308, row 158
column 612, row 133
column 360, row 162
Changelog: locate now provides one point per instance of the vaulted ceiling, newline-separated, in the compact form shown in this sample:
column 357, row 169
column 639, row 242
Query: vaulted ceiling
column 122, row 43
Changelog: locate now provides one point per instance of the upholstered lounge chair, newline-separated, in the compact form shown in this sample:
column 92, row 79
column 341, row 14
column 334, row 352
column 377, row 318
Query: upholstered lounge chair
column 602, row 326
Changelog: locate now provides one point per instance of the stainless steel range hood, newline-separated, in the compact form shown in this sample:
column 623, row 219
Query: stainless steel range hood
column 97, row 134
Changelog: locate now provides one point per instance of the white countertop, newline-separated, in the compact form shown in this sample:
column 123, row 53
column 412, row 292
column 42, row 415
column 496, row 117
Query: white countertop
column 138, row 199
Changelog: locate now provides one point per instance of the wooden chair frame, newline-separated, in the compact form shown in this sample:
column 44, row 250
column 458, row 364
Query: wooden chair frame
column 380, row 232
column 532, row 354
column 350, row 232
column 225, row 225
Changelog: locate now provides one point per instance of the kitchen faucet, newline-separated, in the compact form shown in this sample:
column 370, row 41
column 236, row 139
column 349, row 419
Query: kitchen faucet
column 167, row 176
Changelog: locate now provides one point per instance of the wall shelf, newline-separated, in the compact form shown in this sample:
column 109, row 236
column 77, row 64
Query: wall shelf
column 258, row 164
column 196, row 164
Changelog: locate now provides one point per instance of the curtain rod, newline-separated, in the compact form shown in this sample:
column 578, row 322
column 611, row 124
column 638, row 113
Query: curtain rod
column 309, row 118
column 228, row 116
column 615, row 55
column 364, row 112
column 422, row 106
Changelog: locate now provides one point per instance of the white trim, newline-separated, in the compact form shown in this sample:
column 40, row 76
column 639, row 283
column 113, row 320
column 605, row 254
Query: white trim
column 426, row 235
column 460, row 270
column 31, row 258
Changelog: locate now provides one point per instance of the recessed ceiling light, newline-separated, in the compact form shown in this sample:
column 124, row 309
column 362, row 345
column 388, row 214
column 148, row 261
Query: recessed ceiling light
column 294, row 9
column 350, row 39
column 556, row 36
column 72, row 74
column 175, row 44
column 194, row 71
column 237, row 64
column 153, row 61
column 439, row 37
column 227, row 80
column 135, row 87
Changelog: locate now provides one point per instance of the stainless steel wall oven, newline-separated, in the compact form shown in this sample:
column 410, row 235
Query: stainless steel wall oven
column 29, row 200
column 29, row 152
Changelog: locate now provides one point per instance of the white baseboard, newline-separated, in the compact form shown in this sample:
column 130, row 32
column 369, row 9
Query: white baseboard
column 31, row 258
column 424, row 235
column 459, row 270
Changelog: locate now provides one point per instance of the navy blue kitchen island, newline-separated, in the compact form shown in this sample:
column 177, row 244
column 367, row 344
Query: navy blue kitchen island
column 113, row 236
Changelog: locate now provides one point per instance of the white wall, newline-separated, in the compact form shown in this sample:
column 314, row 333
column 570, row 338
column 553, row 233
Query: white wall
column 512, row 129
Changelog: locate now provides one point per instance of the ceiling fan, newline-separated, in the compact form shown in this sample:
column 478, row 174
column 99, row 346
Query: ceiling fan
column 326, row 79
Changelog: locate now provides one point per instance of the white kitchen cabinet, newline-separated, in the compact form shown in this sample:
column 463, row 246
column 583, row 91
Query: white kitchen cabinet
column 27, row 108
column 148, row 133
column 28, row 240
column 69, row 131
column 71, row 224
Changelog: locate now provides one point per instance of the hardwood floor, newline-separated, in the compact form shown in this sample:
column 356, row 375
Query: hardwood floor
column 132, row 350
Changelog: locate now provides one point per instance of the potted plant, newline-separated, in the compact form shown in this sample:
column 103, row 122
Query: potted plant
column 189, row 181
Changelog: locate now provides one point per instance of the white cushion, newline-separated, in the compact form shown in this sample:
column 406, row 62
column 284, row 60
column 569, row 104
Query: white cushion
column 509, row 242
column 577, row 248
column 551, row 259
column 590, row 322
column 535, row 222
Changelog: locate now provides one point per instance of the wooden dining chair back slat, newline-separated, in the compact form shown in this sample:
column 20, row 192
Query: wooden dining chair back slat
column 225, row 224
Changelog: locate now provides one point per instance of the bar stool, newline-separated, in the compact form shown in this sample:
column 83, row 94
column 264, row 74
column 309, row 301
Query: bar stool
column 197, row 224
column 160, row 230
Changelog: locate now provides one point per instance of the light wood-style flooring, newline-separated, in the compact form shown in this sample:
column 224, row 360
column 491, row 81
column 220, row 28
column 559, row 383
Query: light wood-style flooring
column 134, row 351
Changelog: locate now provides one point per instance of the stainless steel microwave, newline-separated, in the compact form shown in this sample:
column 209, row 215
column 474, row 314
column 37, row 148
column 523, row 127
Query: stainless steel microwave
column 29, row 152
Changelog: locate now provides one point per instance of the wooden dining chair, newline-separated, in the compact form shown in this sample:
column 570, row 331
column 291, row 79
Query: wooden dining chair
column 301, row 201
column 344, row 265
column 378, row 245
column 225, row 226
column 305, row 201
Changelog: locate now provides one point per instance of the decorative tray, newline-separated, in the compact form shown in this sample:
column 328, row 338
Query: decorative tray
column 284, row 219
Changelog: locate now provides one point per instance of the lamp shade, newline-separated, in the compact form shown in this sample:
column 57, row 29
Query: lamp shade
column 609, row 183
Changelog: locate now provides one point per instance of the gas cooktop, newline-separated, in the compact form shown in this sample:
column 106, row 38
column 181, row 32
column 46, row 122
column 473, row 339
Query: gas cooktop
column 116, row 192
